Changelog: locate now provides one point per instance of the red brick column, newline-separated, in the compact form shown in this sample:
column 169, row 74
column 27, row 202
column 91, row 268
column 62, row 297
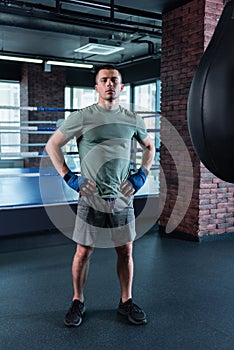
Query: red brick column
column 187, row 31
column 40, row 89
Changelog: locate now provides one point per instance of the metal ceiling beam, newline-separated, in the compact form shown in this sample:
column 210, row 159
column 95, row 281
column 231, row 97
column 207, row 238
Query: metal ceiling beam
column 58, row 5
column 112, row 10
column 29, row 10
column 117, row 8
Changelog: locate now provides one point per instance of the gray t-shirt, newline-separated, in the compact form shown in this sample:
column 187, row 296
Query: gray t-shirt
column 104, row 144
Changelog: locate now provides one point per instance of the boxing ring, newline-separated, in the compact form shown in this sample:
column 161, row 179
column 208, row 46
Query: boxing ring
column 23, row 208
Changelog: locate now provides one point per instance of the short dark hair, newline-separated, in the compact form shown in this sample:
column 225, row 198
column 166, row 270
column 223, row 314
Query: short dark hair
column 108, row 67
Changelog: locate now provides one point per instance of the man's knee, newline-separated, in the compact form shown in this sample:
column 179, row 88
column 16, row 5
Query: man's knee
column 83, row 252
column 125, row 251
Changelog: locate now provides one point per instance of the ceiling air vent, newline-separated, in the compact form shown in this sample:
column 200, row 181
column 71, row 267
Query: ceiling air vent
column 98, row 49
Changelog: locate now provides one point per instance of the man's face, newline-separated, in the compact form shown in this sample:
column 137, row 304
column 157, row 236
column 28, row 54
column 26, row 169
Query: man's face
column 108, row 84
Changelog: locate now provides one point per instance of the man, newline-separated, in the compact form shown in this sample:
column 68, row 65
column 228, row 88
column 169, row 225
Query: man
column 104, row 132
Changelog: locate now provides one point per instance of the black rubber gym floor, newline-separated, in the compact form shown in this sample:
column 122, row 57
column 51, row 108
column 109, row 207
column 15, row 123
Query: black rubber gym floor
column 186, row 289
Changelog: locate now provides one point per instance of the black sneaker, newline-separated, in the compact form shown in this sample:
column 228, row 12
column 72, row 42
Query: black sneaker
column 74, row 316
column 134, row 313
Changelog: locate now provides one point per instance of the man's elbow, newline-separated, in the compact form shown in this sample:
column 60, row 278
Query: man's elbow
column 151, row 147
column 48, row 146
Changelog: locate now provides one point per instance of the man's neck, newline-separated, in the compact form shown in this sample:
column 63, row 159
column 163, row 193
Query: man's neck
column 109, row 105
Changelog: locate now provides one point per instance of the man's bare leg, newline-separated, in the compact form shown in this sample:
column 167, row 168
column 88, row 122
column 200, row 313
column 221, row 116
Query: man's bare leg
column 125, row 270
column 80, row 269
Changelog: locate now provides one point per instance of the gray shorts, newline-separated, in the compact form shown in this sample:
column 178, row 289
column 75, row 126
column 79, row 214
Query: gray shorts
column 104, row 223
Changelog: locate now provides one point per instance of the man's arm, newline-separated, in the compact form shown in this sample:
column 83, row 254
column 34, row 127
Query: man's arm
column 54, row 150
column 137, row 180
column 148, row 153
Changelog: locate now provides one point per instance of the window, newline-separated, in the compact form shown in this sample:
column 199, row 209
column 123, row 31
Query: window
column 145, row 96
column 10, row 118
column 76, row 97
column 147, row 104
column 81, row 97
column 125, row 95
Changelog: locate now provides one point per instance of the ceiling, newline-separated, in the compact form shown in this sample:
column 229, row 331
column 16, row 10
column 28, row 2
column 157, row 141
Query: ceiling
column 53, row 29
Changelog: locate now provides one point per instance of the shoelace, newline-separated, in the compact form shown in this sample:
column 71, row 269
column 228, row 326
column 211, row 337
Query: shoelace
column 76, row 308
column 133, row 307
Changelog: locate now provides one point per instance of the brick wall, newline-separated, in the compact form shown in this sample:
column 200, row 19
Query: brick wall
column 187, row 31
column 216, row 196
column 41, row 89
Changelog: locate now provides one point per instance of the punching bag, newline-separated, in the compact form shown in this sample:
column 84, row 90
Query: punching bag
column 210, row 108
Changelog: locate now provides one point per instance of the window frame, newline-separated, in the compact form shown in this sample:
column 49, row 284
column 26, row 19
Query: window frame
column 13, row 144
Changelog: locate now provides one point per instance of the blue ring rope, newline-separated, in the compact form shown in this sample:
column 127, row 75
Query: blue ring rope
column 46, row 109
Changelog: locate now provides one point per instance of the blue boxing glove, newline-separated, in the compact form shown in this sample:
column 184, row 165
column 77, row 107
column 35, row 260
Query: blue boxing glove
column 138, row 179
column 74, row 181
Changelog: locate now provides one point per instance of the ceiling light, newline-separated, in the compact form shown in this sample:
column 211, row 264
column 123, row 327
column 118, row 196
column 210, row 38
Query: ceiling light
column 20, row 59
column 98, row 49
column 70, row 64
